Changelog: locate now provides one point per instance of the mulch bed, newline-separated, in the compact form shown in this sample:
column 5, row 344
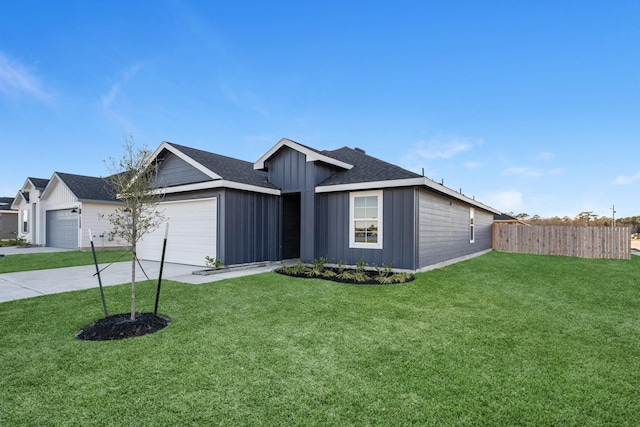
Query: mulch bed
column 120, row 326
column 371, row 277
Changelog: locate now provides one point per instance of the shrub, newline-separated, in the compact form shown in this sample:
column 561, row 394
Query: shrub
column 213, row 262
column 298, row 269
column 318, row 268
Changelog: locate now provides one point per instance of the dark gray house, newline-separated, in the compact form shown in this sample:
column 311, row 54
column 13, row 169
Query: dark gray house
column 8, row 219
column 299, row 202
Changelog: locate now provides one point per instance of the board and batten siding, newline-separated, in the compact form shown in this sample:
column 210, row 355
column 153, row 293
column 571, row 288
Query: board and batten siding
column 444, row 232
column 248, row 225
column 175, row 171
column 398, row 225
column 289, row 170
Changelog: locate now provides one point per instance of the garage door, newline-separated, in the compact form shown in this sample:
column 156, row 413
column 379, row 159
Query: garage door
column 192, row 233
column 62, row 229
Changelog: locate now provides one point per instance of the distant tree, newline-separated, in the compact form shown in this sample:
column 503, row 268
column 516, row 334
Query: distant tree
column 586, row 216
column 132, row 178
column 521, row 216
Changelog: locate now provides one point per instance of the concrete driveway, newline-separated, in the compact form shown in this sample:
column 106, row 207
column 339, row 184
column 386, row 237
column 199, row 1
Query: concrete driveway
column 27, row 284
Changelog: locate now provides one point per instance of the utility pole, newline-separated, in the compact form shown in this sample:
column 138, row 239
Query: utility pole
column 613, row 212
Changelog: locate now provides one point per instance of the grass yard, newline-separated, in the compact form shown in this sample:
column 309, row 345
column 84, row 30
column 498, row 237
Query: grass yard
column 40, row 261
column 502, row 339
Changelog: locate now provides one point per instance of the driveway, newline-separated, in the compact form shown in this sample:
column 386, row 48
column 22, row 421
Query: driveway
column 27, row 284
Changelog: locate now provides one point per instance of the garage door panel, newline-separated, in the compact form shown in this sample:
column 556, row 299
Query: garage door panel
column 192, row 233
column 62, row 229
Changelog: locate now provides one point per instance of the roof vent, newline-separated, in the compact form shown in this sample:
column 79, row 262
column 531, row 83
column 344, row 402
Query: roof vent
column 360, row 150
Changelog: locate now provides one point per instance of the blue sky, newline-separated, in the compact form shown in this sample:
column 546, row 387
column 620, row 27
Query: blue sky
column 530, row 106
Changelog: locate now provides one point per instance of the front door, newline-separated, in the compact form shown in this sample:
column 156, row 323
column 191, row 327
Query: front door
column 291, row 226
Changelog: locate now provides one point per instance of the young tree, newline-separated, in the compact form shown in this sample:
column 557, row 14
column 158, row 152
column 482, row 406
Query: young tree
column 133, row 179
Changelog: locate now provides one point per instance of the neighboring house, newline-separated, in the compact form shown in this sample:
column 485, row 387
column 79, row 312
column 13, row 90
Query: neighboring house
column 27, row 203
column 8, row 219
column 63, row 211
column 507, row 219
column 298, row 202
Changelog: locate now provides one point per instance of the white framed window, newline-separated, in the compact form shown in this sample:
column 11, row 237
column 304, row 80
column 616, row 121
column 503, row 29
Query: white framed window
column 25, row 221
column 365, row 219
column 472, row 231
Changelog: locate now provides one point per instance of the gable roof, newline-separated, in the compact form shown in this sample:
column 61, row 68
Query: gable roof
column 88, row 188
column 371, row 173
column 311, row 154
column 36, row 183
column 503, row 217
column 39, row 183
column 224, row 171
column 5, row 203
column 366, row 169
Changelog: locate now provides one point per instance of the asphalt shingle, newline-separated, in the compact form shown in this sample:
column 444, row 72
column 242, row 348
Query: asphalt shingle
column 228, row 168
column 89, row 187
column 365, row 168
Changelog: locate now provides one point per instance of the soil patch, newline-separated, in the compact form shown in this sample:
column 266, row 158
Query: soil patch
column 120, row 326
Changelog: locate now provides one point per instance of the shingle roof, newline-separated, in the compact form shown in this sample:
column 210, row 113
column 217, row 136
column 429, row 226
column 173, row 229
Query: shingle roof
column 365, row 168
column 228, row 168
column 39, row 183
column 88, row 187
column 5, row 202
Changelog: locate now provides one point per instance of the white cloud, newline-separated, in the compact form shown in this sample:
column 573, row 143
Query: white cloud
column 108, row 99
column 438, row 149
column 426, row 153
column 506, row 201
column 16, row 79
column 473, row 165
column 546, row 155
column 523, row 171
column 626, row 180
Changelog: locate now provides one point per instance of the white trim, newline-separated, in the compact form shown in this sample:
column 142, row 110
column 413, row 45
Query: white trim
column 49, row 188
column 352, row 231
column 472, row 224
column 220, row 183
column 311, row 155
column 184, row 157
column 409, row 182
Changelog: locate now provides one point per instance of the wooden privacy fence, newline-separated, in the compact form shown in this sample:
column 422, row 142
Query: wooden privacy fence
column 576, row 241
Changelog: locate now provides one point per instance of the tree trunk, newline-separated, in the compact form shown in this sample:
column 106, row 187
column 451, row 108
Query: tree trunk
column 133, row 282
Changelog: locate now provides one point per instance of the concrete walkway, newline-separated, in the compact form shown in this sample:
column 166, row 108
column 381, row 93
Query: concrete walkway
column 27, row 284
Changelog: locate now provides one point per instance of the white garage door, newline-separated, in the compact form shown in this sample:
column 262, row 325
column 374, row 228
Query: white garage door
column 192, row 233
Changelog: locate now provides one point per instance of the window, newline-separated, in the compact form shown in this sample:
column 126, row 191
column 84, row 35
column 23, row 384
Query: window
column 365, row 219
column 472, row 232
column 25, row 221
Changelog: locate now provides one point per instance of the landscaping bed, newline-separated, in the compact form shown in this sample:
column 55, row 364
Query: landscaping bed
column 362, row 274
column 120, row 326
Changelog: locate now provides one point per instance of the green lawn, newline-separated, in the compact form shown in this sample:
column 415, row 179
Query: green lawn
column 28, row 262
column 502, row 339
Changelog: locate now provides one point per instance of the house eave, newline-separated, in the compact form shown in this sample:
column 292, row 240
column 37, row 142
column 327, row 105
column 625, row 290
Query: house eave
column 220, row 183
column 409, row 182
column 311, row 156
column 169, row 147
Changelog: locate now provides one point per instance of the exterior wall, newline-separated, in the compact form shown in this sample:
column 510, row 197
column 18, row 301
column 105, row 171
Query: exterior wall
column 35, row 235
column 90, row 219
column 444, row 232
column 175, row 171
column 8, row 225
column 59, row 198
column 398, row 230
column 248, row 227
column 290, row 171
